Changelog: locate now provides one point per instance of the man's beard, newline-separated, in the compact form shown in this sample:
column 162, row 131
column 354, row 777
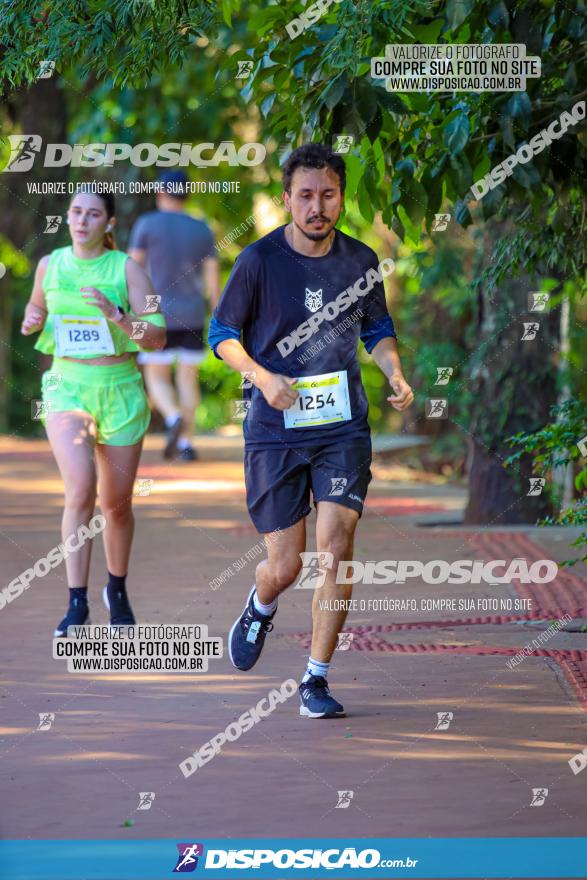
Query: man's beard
column 315, row 236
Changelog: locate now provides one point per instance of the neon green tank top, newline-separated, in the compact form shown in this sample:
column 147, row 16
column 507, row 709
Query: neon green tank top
column 64, row 276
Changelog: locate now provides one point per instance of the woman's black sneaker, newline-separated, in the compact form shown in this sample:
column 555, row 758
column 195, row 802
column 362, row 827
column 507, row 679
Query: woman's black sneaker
column 119, row 608
column 78, row 614
column 172, row 435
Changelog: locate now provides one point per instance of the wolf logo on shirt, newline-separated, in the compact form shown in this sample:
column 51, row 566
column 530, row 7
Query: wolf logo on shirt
column 313, row 299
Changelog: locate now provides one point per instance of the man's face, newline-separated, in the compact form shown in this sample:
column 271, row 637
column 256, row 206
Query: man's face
column 315, row 201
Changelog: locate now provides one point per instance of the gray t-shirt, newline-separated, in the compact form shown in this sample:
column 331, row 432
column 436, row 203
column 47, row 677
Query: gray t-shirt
column 176, row 245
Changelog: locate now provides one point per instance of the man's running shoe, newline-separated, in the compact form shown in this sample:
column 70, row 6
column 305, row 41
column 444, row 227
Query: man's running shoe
column 119, row 608
column 171, row 437
column 78, row 614
column 316, row 699
column 247, row 636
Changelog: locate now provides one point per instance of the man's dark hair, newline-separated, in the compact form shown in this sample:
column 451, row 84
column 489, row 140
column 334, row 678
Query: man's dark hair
column 313, row 156
column 175, row 184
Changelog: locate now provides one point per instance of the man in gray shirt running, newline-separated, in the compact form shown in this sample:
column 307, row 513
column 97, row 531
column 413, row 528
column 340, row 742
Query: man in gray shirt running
column 178, row 253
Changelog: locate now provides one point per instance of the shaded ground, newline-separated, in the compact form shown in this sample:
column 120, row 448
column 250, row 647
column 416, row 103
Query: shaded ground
column 115, row 735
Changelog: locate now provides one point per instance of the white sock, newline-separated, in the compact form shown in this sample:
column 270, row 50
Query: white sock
column 316, row 667
column 263, row 609
column 183, row 443
column 171, row 420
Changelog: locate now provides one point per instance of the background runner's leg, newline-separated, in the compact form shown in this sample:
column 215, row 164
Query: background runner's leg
column 160, row 388
column 283, row 563
column 72, row 438
column 187, row 381
column 117, row 468
column 335, row 532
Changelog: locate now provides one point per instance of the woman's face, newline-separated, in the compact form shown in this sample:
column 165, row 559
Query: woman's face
column 87, row 219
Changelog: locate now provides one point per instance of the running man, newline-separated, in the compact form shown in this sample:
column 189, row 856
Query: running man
column 178, row 253
column 88, row 300
column 302, row 296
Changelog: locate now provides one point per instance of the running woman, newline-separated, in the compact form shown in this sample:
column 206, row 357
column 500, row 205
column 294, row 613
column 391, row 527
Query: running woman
column 88, row 300
column 302, row 296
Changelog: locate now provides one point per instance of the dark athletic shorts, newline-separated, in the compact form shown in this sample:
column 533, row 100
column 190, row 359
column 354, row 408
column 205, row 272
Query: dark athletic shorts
column 183, row 346
column 279, row 481
column 190, row 339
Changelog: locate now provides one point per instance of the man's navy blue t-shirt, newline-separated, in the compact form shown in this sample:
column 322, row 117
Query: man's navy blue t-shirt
column 297, row 321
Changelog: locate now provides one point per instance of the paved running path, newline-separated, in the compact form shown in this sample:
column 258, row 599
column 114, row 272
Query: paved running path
column 116, row 735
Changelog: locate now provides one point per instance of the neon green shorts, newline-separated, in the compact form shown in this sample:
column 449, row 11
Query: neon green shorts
column 113, row 394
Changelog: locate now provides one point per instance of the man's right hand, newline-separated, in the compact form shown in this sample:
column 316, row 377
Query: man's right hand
column 277, row 390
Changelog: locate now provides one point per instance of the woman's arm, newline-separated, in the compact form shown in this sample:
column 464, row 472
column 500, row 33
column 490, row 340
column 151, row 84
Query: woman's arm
column 35, row 312
column 149, row 336
column 140, row 295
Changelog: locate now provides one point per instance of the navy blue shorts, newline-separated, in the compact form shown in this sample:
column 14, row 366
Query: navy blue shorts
column 279, row 481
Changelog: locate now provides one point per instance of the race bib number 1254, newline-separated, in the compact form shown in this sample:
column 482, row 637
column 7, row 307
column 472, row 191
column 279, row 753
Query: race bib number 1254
column 323, row 400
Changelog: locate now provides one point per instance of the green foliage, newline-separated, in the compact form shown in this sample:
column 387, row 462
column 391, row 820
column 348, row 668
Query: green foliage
column 319, row 84
column 127, row 41
column 432, row 146
column 220, row 387
column 433, row 314
column 557, row 242
column 554, row 446
column 15, row 261
column 165, row 70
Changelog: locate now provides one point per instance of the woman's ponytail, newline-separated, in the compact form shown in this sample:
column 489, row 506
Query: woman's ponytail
column 109, row 242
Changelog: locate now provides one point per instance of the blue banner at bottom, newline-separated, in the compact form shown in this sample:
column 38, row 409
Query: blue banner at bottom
column 369, row 859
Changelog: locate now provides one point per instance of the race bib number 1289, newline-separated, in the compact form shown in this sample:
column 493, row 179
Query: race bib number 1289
column 80, row 335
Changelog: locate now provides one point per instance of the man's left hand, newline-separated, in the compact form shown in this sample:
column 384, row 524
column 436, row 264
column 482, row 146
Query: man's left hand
column 404, row 396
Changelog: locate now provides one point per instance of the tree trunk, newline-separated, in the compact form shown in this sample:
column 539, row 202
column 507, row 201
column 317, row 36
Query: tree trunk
column 40, row 110
column 515, row 385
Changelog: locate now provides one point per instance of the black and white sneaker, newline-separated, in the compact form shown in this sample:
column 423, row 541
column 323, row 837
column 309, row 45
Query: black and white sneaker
column 78, row 614
column 247, row 636
column 119, row 608
column 317, row 701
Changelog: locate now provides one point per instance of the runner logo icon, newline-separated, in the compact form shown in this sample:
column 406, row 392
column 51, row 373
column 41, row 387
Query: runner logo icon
column 444, row 719
column 188, row 857
column 146, row 799
column 530, row 331
column 53, row 223
column 537, row 302
column 153, row 300
column 436, row 408
column 46, row 719
column 344, row 641
column 24, row 149
column 343, row 143
column 313, row 299
column 536, row 485
column 344, row 799
column 338, row 485
column 314, row 567
column 539, row 796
